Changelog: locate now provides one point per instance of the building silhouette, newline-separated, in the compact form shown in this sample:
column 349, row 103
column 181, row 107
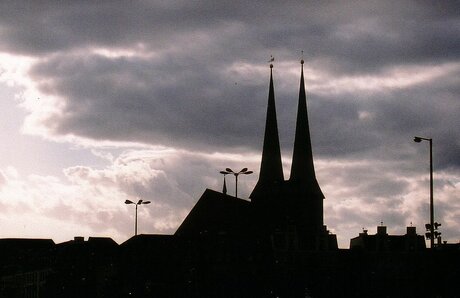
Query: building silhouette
column 275, row 245
column 293, row 207
column 289, row 212
column 384, row 242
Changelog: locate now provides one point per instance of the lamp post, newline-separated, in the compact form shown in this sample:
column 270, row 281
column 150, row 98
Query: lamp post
column 140, row 202
column 431, row 226
column 236, row 174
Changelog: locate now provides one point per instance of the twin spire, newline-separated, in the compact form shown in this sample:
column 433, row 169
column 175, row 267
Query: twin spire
column 302, row 169
column 271, row 168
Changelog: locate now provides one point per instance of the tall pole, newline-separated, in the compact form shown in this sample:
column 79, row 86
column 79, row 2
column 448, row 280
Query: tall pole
column 140, row 202
column 432, row 227
column 431, row 196
column 135, row 222
column 236, row 185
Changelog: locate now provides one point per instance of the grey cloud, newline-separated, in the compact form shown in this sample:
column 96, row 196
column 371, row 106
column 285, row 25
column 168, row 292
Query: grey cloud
column 370, row 181
column 395, row 116
column 138, row 100
column 180, row 97
column 41, row 27
column 423, row 112
column 192, row 105
column 355, row 35
column 348, row 222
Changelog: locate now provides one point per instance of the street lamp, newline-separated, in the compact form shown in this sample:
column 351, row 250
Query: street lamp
column 431, row 226
column 140, row 202
column 230, row 171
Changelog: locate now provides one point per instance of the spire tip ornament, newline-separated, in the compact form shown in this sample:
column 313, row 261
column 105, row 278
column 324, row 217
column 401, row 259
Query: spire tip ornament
column 271, row 60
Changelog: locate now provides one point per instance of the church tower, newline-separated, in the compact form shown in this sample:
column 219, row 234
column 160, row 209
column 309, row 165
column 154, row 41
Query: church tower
column 302, row 189
column 271, row 175
column 302, row 168
column 294, row 207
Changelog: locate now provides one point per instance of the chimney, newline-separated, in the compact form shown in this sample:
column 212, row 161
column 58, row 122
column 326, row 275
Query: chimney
column 411, row 231
column 79, row 239
column 381, row 230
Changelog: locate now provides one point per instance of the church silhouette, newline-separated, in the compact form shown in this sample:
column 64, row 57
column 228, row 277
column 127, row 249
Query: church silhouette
column 289, row 212
column 275, row 245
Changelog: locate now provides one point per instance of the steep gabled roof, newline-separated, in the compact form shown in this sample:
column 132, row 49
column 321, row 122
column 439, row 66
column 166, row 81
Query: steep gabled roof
column 216, row 214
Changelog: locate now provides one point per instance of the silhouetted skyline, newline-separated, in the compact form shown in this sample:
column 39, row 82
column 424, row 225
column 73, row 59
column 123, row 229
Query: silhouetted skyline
column 275, row 245
column 102, row 104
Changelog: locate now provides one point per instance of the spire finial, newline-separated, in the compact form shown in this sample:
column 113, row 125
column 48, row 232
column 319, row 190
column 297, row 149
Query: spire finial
column 301, row 59
column 271, row 60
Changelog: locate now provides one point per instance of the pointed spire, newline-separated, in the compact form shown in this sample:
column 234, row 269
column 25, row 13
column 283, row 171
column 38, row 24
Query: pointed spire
column 224, row 189
column 271, row 169
column 302, row 169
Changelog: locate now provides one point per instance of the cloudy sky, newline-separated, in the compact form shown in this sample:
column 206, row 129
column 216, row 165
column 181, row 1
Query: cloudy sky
column 113, row 100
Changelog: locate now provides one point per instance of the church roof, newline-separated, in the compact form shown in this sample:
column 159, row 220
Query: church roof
column 216, row 214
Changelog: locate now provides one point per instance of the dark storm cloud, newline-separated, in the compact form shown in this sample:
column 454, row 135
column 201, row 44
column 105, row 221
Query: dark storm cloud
column 368, row 34
column 42, row 27
column 148, row 101
column 394, row 117
column 174, row 86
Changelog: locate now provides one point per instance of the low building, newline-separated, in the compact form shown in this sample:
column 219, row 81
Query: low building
column 382, row 241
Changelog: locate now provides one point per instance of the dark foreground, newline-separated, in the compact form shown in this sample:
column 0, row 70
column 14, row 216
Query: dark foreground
column 168, row 266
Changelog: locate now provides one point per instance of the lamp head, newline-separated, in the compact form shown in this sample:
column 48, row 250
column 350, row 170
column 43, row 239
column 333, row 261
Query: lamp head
column 417, row 139
column 129, row 202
